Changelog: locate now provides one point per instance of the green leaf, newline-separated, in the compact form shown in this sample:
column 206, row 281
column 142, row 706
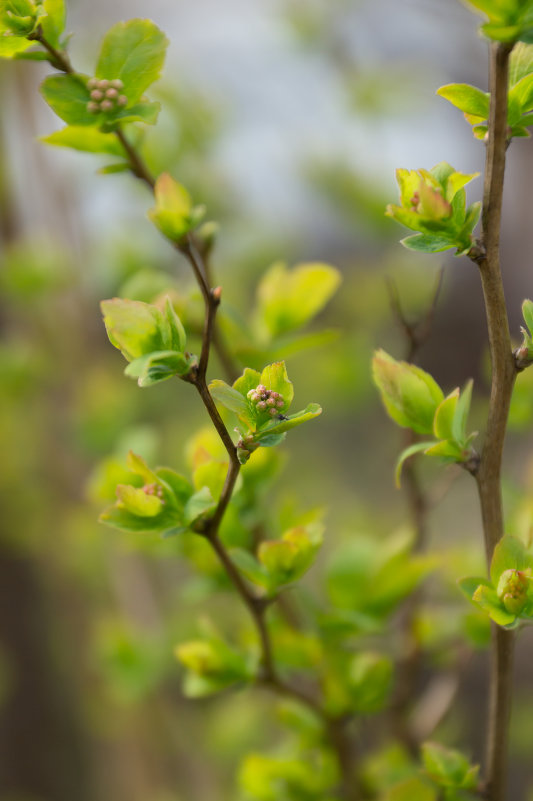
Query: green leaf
column 159, row 366
column 89, row 140
column 135, row 328
column 11, row 46
column 509, row 553
column 527, row 312
column 462, row 409
column 247, row 381
column 522, row 95
column 178, row 338
column 250, row 567
column 68, row 96
column 520, row 63
column 180, row 486
column 418, row 447
column 288, row 299
column 501, row 33
column 133, row 52
column 370, row 681
column 199, row 505
column 228, row 397
column 467, row 99
column 413, row 789
column 447, row 450
column 138, row 502
column 429, row 243
column 488, row 600
column 410, row 395
column 53, row 24
column 273, row 427
column 444, row 416
column 146, row 112
column 173, row 213
column 448, row 767
column 470, row 584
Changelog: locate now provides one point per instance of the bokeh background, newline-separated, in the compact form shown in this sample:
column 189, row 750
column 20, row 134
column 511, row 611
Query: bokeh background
column 287, row 118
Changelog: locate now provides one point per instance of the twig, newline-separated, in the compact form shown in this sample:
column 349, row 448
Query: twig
column 58, row 59
column 503, row 377
column 416, row 334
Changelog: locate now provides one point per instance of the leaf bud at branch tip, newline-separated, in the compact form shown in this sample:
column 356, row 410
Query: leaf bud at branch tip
column 216, row 294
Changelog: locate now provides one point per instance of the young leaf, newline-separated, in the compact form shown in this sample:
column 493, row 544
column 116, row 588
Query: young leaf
column 444, row 416
column 133, row 52
column 509, row 553
column 53, row 23
column 418, row 447
column 135, row 328
column 228, row 397
column 68, row 96
column 89, row 140
column 428, row 243
column 410, row 395
column 467, row 99
column 287, row 299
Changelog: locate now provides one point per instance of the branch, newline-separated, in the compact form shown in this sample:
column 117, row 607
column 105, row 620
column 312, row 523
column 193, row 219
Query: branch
column 488, row 476
column 416, row 335
column 58, row 59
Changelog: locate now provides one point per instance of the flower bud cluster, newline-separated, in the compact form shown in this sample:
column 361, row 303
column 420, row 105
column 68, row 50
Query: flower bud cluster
column 266, row 400
column 105, row 95
column 512, row 590
column 154, row 489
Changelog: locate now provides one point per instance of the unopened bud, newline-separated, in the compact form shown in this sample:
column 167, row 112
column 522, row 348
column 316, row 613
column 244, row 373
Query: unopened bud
column 271, row 401
column 96, row 94
column 261, row 405
column 92, row 83
column 272, row 412
column 92, row 107
column 280, row 404
column 103, row 84
column 512, row 590
column 106, row 105
column 116, row 84
column 217, row 293
column 122, row 100
column 111, row 93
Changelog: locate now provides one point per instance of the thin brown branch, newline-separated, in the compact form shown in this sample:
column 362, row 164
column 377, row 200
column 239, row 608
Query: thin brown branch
column 488, row 475
column 137, row 164
column 57, row 58
column 416, row 334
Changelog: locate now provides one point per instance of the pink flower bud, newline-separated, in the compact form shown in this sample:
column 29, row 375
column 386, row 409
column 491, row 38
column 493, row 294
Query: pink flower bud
column 272, row 412
column 261, row 405
column 92, row 107
column 111, row 93
column 122, row 100
column 106, row 105
column 116, row 83
column 103, row 84
column 280, row 404
column 92, row 83
column 271, row 402
column 260, row 388
column 96, row 94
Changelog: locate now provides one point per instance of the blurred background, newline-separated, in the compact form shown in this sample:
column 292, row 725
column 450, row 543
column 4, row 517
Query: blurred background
column 287, row 118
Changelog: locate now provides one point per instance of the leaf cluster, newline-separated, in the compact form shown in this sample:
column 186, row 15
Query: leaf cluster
column 414, row 400
column 507, row 595
column 433, row 202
